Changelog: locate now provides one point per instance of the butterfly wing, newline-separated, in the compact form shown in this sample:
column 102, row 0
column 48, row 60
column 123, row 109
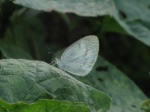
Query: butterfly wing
column 80, row 57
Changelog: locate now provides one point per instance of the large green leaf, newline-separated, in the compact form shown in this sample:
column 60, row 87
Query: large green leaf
column 10, row 51
column 126, row 96
column 43, row 106
column 25, row 33
column 80, row 7
column 28, row 81
column 135, row 18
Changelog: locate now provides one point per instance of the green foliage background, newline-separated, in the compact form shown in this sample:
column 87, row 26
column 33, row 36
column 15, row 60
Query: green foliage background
column 29, row 29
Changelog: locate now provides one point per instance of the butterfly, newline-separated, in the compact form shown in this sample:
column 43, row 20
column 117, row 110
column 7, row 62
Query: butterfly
column 80, row 57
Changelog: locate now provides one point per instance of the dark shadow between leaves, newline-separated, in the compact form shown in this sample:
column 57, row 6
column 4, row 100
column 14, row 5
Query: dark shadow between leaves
column 102, row 68
column 133, row 106
column 122, row 15
column 100, row 79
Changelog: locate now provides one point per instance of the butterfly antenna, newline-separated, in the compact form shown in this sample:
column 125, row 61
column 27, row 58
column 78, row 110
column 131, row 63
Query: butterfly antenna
column 51, row 51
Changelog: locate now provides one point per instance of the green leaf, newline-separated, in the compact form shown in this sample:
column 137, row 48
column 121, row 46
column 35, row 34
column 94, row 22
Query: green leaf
column 146, row 105
column 135, row 18
column 111, row 25
column 26, row 32
column 79, row 7
column 126, row 96
column 11, row 51
column 43, row 106
column 29, row 81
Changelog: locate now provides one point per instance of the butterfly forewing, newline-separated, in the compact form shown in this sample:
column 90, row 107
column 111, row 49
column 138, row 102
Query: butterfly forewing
column 80, row 57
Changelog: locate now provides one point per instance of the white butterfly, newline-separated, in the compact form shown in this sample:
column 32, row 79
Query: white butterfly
column 79, row 58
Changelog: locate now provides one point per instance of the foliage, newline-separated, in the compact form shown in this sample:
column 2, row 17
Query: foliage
column 29, row 29
column 126, row 96
column 80, row 7
column 41, row 106
column 146, row 105
column 32, row 80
